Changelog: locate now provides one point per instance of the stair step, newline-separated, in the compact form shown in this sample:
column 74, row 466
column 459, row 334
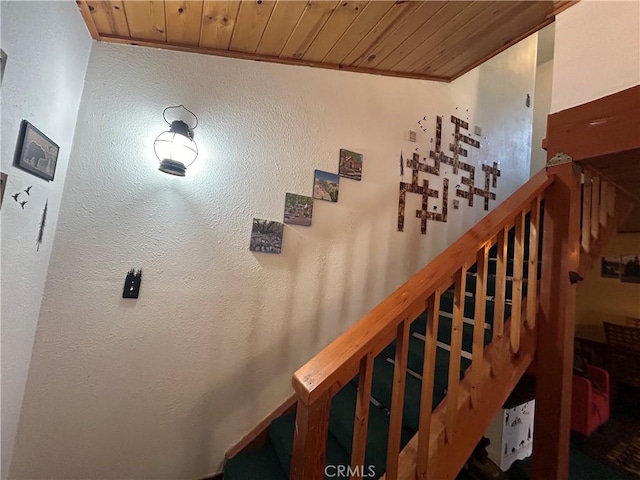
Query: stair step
column 446, row 306
column 444, row 332
column 281, row 437
column 472, row 280
column 415, row 360
column 245, row 466
column 343, row 407
column 382, row 386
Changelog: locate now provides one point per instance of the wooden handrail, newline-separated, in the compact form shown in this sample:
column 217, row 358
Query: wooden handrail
column 339, row 362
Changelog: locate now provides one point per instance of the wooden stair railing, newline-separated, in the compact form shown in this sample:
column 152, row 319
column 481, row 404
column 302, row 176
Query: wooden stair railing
column 447, row 436
column 351, row 354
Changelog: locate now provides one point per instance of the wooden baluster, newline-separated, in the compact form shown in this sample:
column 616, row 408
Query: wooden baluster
column 604, row 196
column 478, row 322
column 428, row 378
column 397, row 399
column 595, row 207
column 361, row 422
column 611, row 203
column 532, row 290
column 501, row 284
column 454, row 353
column 516, row 290
column 310, row 440
column 586, row 212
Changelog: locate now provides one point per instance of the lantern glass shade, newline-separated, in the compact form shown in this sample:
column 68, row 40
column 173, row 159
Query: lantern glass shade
column 175, row 152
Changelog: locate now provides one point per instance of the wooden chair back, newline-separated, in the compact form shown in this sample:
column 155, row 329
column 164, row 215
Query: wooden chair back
column 633, row 322
column 623, row 343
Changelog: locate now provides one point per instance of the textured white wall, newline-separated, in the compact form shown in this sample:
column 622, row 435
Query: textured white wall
column 162, row 386
column 597, row 51
column 48, row 49
column 541, row 108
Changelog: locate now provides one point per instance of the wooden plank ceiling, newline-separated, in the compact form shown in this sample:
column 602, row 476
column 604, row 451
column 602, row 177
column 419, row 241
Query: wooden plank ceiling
column 436, row 40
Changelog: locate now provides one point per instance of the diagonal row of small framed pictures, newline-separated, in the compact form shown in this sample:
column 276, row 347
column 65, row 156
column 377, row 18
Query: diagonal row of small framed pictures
column 266, row 235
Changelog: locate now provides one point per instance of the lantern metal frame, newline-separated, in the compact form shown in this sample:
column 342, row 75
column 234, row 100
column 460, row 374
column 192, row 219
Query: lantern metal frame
column 176, row 127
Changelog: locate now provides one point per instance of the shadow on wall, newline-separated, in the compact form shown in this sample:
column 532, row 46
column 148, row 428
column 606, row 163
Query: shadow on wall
column 278, row 358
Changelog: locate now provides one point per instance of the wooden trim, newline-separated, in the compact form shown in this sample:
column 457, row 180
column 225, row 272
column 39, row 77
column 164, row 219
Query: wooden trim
column 604, row 186
column 453, row 385
column 361, row 420
column 501, row 283
column 556, row 325
column 516, row 284
column 310, row 440
column 532, row 291
column 397, row 399
column 88, row 19
column 595, row 206
column 257, row 436
column 265, row 58
column 602, row 127
column 586, row 212
column 339, row 361
column 428, row 379
column 479, row 321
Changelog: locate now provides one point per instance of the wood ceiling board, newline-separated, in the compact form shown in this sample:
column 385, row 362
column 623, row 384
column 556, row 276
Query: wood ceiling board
column 381, row 30
column 447, row 43
column 109, row 17
column 284, row 18
column 218, row 20
column 146, row 19
column 442, row 24
column 311, row 22
column 484, row 43
column 251, row 22
column 411, row 25
column 184, row 20
column 342, row 18
column 371, row 15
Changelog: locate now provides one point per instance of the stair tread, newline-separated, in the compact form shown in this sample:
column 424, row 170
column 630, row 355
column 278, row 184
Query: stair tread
column 444, row 332
column 382, row 386
column 245, row 465
column 281, row 435
column 341, row 422
column 415, row 360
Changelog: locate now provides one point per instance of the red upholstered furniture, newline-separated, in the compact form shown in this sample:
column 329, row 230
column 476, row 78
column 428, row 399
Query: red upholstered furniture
column 590, row 400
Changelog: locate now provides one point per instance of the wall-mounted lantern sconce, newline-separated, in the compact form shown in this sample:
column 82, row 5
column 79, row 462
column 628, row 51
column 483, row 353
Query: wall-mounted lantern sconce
column 176, row 148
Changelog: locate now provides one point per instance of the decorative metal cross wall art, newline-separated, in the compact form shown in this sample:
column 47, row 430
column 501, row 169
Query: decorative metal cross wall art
column 466, row 189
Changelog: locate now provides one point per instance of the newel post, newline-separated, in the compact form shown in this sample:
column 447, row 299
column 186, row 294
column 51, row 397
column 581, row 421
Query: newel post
column 310, row 439
column 556, row 322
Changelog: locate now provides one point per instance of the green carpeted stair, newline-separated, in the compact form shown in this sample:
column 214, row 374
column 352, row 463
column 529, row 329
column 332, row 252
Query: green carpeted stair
column 273, row 461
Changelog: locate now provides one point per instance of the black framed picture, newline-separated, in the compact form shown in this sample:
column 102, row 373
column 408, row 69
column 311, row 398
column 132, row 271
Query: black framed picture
column 36, row 153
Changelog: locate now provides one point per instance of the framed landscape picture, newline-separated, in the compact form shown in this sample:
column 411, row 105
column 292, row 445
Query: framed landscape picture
column 350, row 165
column 325, row 186
column 36, row 153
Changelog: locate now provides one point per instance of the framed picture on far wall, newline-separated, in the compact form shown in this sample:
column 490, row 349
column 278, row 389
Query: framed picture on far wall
column 610, row 267
column 36, row 153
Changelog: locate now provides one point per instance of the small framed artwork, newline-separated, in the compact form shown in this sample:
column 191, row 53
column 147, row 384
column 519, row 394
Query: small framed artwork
column 610, row 267
column 36, row 153
column 3, row 62
column 350, row 164
column 630, row 269
column 3, row 184
column 266, row 236
column 298, row 209
column 326, row 186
